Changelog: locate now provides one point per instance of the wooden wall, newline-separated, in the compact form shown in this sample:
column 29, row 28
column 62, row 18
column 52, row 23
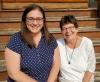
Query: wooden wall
column 20, row 4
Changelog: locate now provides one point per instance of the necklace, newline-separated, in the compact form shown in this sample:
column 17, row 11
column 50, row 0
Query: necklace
column 70, row 58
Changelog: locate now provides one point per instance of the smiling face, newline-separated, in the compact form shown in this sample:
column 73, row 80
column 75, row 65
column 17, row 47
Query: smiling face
column 34, row 21
column 69, row 31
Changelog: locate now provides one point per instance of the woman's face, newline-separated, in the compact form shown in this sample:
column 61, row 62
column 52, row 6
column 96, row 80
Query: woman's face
column 34, row 21
column 69, row 31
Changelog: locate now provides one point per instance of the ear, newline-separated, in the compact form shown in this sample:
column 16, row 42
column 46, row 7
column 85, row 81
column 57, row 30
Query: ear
column 77, row 29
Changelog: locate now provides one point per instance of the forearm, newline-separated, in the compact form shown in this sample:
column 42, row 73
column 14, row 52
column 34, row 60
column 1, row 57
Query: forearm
column 21, row 77
column 87, row 76
column 55, row 67
column 54, row 72
column 53, row 75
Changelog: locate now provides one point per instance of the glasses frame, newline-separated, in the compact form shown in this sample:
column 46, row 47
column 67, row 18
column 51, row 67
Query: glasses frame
column 32, row 19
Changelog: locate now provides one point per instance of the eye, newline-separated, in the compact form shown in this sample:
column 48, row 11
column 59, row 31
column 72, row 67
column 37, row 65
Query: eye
column 63, row 28
column 38, row 19
column 29, row 18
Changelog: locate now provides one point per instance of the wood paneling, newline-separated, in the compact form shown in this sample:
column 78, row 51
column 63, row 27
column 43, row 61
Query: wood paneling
column 54, row 9
column 47, row 1
column 76, row 13
column 52, row 13
column 52, row 22
column 3, row 76
column 87, row 22
column 98, row 6
column 9, row 1
column 1, row 55
column 45, row 5
column 11, row 13
column 4, row 38
column 0, row 4
column 91, row 35
column 97, row 49
column 83, row 23
column 98, row 68
column 13, row 25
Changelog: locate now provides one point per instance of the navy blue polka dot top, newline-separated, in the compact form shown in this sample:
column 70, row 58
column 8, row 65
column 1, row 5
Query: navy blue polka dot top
column 35, row 62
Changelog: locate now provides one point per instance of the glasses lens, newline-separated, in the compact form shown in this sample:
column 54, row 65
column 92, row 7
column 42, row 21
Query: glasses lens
column 31, row 19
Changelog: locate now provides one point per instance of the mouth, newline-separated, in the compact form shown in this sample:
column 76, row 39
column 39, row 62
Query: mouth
column 68, row 34
column 34, row 26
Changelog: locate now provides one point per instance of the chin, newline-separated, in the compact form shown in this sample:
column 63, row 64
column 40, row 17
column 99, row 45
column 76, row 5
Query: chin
column 35, row 32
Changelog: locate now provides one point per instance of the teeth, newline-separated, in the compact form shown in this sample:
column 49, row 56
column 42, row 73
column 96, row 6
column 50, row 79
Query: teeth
column 67, row 34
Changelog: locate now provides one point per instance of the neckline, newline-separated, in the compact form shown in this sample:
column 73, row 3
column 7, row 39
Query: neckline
column 76, row 47
column 32, row 46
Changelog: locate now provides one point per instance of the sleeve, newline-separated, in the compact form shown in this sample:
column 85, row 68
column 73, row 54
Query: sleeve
column 54, row 43
column 91, row 63
column 14, row 44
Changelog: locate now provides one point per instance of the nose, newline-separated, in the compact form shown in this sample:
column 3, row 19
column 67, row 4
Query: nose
column 67, row 29
column 35, row 22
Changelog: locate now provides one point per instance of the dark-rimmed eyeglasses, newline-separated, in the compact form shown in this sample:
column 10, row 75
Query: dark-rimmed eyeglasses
column 31, row 19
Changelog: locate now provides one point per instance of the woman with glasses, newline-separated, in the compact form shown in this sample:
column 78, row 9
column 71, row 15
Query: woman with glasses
column 32, row 53
column 77, row 53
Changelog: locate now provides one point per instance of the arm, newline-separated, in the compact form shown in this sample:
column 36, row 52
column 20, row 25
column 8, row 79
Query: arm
column 90, row 64
column 87, row 76
column 55, row 68
column 13, row 67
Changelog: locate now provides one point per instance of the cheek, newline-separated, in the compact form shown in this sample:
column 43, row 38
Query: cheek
column 27, row 24
column 74, row 31
column 63, row 32
column 40, row 26
column 41, row 23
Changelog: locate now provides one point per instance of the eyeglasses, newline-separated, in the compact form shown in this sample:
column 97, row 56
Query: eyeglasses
column 65, row 28
column 31, row 19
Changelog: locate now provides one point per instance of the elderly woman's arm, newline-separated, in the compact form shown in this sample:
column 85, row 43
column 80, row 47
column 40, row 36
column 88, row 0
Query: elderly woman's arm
column 87, row 76
column 91, row 63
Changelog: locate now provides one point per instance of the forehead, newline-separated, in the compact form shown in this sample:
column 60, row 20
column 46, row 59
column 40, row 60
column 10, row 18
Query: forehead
column 68, row 25
column 35, row 13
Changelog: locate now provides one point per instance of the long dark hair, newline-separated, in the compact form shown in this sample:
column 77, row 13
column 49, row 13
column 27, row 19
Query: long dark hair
column 24, row 28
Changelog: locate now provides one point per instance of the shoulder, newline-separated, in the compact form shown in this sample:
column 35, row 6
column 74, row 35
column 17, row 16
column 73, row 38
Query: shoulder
column 15, row 43
column 14, row 40
column 53, row 43
column 87, row 40
column 15, row 37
